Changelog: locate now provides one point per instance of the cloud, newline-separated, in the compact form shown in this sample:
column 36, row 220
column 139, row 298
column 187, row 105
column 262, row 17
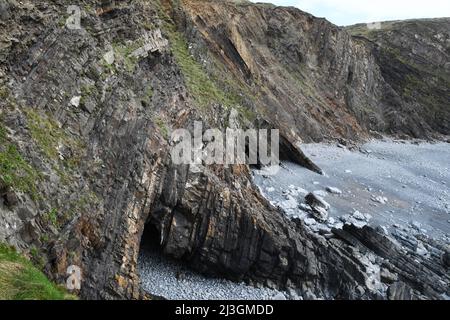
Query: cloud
column 345, row 12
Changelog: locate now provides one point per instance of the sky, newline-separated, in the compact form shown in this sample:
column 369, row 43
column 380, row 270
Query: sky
column 347, row 12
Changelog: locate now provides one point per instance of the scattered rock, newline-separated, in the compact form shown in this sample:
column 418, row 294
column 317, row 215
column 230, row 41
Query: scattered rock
column 310, row 222
column 293, row 295
column 333, row 190
column 376, row 135
column 383, row 230
column 320, row 214
column 319, row 206
column 153, row 42
column 359, row 216
column 357, row 219
column 11, row 199
column 321, row 193
column 295, row 191
column 324, row 229
column 75, row 101
column 30, row 232
column 305, row 207
column 180, row 275
column 289, row 204
column 280, row 297
column 421, row 250
column 135, row 158
column 380, row 199
column 416, row 225
column 387, row 276
column 301, row 191
column 309, row 295
column 25, row 214
column 399, row 291
column 109, row 57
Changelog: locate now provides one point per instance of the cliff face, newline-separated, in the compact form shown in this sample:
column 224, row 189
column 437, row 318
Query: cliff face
column 316, row 81
column 414, row 61
column 84, row 128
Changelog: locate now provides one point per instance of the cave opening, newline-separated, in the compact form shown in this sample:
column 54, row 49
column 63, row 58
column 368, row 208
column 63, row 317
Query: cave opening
column 150, row 241
column 164, row 277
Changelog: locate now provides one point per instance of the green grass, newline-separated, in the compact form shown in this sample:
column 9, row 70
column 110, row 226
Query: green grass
column 4, row 94
column 205, row 89
column 162, row 127
column 37, row 258
column 109, row 69
column 124, row 52
column 87, row 90
column 201, row 87
column 148, row 26
column 84, row 204
column 16, row 172
column 148, row 96
column 361, row 30
column 20, row 280
column 51, row 217
column 45, row 239
column 49, row 136
column 45, row 133
column 415, row 85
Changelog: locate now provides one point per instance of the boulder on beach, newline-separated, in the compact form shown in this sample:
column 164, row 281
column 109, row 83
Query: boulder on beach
column 318, row 205
column 316, row 201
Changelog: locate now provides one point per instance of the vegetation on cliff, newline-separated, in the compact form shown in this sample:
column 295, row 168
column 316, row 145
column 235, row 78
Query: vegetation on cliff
column 20, row 280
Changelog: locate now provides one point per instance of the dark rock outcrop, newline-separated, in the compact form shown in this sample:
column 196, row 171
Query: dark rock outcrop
column 319, row 206
column 446, row 258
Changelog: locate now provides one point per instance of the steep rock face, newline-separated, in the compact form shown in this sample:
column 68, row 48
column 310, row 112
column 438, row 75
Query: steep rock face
column 84, row 154
column 228, row 229
column 95, row 165
column 315, row 81
column 414, row 60
column 295, row 65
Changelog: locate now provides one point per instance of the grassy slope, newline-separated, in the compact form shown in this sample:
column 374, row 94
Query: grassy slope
column 20, row 280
